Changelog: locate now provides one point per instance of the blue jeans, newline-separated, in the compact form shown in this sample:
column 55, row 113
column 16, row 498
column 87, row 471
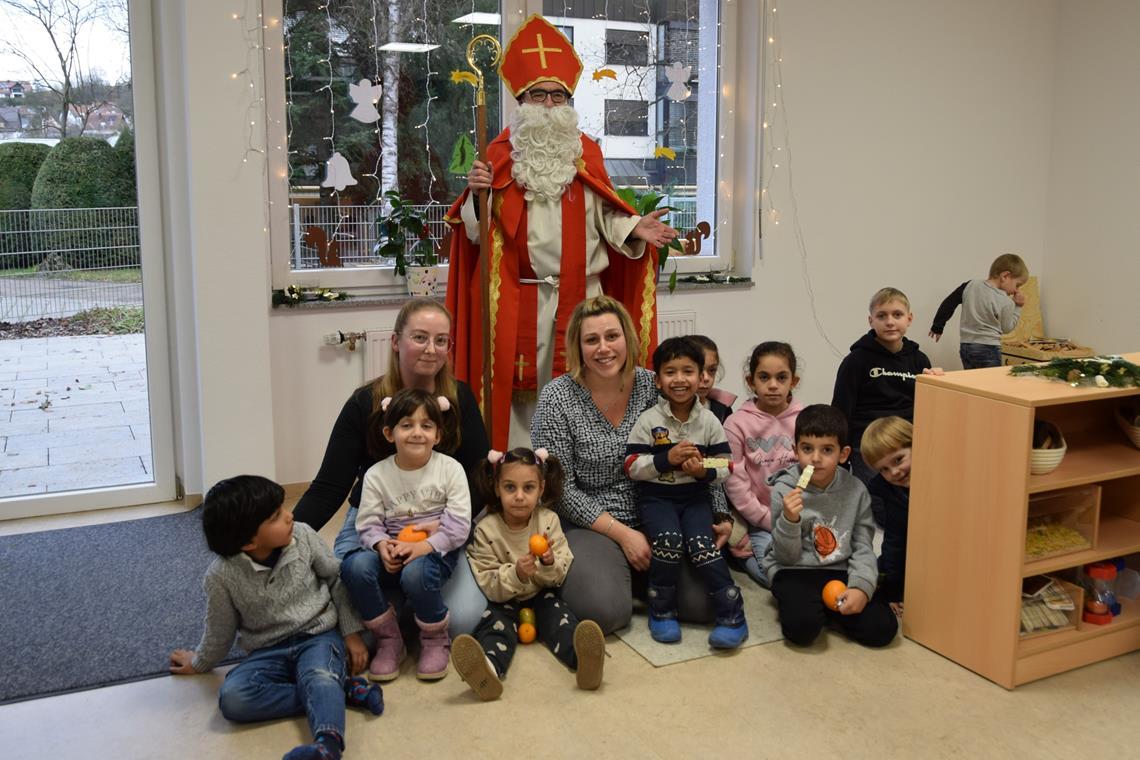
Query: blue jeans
column 421, row 582
column 976, row 355
column 461, row 594
column 761, row 540
column 301, row 675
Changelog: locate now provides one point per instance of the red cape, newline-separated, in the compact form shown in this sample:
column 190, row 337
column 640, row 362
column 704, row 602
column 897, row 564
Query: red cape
column 513, row 306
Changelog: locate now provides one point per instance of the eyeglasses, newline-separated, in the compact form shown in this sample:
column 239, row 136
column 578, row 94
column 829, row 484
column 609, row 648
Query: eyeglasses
column 441, row 342
column 540, row 96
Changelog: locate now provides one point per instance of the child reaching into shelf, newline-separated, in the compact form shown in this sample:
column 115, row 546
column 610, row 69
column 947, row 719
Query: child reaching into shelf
column 990, row 308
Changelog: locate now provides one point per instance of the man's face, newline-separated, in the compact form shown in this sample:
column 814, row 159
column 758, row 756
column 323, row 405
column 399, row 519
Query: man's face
column 548, row 94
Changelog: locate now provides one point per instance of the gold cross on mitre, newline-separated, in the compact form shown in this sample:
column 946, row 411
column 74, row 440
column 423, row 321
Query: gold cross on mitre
column 541, row 50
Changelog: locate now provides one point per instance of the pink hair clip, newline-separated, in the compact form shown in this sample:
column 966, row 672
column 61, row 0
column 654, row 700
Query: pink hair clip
column 384, row 403
column 495, row 457
column 444, row 404
column 541, row 455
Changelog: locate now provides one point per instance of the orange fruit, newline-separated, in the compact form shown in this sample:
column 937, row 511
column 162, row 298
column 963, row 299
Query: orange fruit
column 539, row 545
column 831, row 592
column 526, row 615
column 527, row 633
column 407, row 533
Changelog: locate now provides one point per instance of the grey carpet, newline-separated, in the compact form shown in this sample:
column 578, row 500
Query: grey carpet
column 98, row 605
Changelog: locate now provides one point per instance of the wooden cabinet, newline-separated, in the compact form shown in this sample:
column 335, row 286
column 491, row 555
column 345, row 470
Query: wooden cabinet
column 971, row 491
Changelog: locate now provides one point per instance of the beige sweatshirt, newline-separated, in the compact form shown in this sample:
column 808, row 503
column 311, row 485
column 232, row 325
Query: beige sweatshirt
column 496, row 549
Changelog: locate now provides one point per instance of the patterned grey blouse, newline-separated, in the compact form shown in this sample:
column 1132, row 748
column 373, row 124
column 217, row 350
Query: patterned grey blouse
column 569, row 425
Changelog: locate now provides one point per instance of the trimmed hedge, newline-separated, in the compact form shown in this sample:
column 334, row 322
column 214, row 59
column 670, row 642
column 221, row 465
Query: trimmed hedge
column 19, row 163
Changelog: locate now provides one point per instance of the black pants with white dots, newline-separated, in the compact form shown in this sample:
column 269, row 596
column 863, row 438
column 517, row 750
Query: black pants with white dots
column 497, row 631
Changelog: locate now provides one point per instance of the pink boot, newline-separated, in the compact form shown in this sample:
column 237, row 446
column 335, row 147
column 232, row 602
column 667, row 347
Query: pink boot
column 435, row 650
column 390, row 651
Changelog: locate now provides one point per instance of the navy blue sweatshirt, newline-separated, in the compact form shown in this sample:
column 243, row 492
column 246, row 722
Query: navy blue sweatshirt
column 872, row 383
column 892, row 558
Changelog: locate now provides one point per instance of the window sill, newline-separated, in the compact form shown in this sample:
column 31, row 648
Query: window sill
column 685, row 284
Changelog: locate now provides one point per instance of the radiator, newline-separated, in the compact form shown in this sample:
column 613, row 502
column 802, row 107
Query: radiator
column 674, row 324
column 376, row 350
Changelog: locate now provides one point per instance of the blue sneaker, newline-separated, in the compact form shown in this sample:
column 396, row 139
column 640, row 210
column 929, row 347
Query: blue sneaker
column 664, row 630
column 728, row 636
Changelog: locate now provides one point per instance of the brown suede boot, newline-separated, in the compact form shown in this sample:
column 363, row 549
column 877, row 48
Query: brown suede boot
column 435, row 650
column 390, row 651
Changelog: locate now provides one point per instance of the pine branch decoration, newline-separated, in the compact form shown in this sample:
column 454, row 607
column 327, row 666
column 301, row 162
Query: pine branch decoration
column 1098, row 371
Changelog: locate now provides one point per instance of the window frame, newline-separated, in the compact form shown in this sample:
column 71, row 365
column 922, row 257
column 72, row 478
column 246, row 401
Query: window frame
column 738, row 113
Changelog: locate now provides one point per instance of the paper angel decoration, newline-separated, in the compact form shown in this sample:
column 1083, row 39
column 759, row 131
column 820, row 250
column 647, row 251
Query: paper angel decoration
column 338, row 174
column 678, row 75
column 366, row 95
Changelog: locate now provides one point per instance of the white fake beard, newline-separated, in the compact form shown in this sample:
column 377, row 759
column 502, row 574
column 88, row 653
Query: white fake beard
column 545, row 149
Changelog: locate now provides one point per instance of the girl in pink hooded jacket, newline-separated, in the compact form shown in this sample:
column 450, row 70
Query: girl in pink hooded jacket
column 761, row 435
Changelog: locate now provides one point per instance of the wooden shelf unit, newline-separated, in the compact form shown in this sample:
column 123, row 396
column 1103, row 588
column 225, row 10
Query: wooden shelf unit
column 970, row 488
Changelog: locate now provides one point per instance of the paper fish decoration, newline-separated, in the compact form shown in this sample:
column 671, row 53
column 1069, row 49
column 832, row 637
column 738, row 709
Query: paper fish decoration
column 459, row 77
column 600, row 74
column 338, row 174
column 678, row 75
column 661, row 151
column 366, row 95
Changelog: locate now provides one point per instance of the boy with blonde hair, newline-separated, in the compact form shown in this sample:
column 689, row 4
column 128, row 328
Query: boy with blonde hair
column 877, row 378
column 886, row 449
column 990, row 308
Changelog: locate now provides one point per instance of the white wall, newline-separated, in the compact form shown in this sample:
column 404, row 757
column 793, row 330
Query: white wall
column 1092, row 259
column 921, row 137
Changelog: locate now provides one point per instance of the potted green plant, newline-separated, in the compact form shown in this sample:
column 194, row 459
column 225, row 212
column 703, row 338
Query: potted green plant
column 643, row 203
column 404, row 237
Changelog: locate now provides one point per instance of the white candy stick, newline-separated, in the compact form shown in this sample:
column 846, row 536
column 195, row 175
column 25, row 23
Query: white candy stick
column 805, row 478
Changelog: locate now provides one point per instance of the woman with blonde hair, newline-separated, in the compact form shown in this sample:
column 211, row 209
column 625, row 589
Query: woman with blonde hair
column 418, row 358
column 584, row 418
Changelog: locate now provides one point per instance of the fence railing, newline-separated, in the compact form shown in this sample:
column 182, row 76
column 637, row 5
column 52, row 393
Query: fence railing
column 56, row 262
column 353, row 228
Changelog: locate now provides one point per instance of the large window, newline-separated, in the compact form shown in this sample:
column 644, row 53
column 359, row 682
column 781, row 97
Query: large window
column 650, row 93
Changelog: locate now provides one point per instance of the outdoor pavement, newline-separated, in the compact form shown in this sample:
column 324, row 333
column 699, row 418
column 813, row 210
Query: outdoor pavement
column 27, row 297
column 73, row 413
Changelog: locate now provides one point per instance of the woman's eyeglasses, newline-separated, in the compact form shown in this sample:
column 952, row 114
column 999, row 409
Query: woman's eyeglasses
column 441, row 342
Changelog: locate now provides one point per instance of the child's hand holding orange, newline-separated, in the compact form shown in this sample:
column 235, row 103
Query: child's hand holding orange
column 852, row 601
column 526, row 568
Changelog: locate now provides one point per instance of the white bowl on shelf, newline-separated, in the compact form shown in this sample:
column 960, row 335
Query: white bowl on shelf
column 1043, row 461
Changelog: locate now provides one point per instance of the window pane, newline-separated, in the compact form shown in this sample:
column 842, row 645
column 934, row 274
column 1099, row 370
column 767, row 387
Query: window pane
column 627, row 48
column 649, row 95
column 372, row 108
column 627, row 118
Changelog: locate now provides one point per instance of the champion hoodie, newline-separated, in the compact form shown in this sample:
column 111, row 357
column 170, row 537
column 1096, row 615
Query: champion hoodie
column 835, row 530
column 872, row 382
column 762, row 445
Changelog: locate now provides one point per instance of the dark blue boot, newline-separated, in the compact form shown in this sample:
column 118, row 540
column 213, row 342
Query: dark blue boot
column 730, row 630
column 663, row 625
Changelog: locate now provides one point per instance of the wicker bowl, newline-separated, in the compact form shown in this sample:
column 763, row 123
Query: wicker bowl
column 1127, row 415
column 1049, row 448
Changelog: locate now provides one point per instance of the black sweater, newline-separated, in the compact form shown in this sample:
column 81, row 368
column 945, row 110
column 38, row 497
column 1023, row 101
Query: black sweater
column 892, row 559
column 347, row 458
column 872, row 383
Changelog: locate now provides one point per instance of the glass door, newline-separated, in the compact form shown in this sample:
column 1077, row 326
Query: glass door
column 85, row 408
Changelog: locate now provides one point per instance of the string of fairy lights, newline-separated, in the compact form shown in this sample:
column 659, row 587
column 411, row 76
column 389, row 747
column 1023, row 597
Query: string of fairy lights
column 776, row 165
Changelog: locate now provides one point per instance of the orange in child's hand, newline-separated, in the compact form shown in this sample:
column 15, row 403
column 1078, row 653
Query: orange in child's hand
column 527, row 633
column 831, row 592
column 409, row 534
column 539, row 545
column 526, row 615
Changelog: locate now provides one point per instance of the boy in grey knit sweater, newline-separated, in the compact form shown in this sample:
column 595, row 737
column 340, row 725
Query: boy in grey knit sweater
column 275, row 585
column 990, row 308
column 823, row 532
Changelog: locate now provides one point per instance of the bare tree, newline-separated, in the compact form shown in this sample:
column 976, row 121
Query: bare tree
column 61, row 70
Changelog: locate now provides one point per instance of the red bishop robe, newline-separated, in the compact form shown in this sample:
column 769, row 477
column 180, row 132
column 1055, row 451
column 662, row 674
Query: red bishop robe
column 514, row 307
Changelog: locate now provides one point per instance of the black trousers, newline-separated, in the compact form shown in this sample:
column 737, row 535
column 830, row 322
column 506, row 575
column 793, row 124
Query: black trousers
column 799, row 597
column 497, row 631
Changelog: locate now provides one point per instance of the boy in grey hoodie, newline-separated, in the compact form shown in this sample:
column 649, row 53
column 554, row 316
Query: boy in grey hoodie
column 823, row 531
